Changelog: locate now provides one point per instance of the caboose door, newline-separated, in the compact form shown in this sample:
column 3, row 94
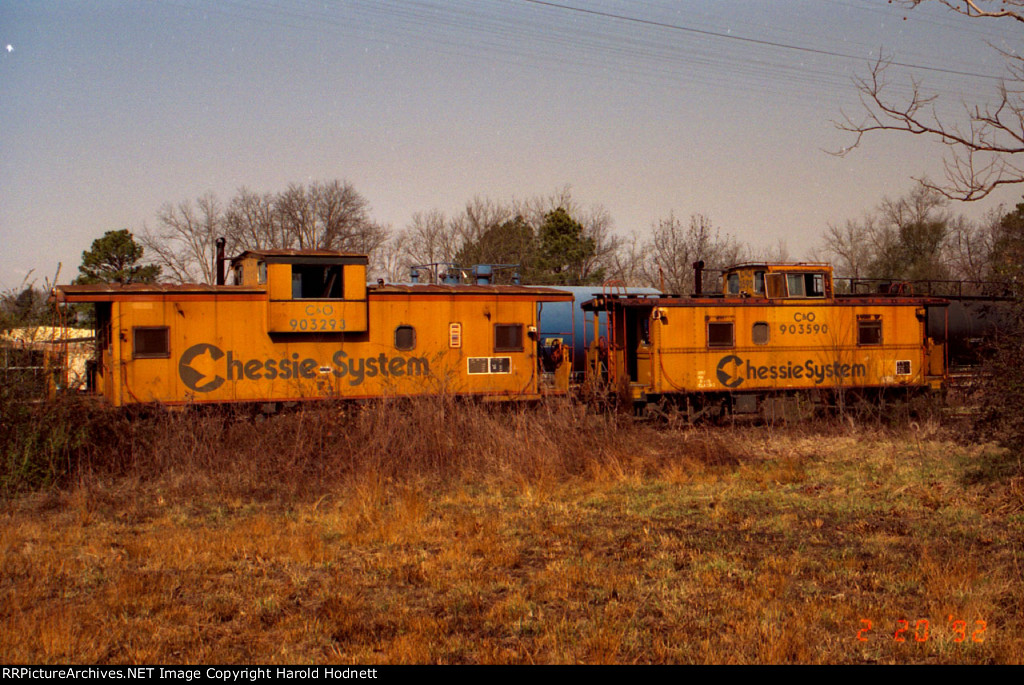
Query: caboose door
column 638, row 344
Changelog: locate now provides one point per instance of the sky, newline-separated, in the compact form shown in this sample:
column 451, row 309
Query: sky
column 109, row 110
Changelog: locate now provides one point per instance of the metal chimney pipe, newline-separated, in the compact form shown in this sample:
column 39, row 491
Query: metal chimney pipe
column 698, row 277
column 219, row 263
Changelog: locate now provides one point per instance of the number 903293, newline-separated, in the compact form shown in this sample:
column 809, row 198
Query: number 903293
column 317, row 324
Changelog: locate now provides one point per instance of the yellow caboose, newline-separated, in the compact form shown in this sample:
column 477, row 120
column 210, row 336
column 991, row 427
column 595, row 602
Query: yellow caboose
column 303, row 325
column 775, row 333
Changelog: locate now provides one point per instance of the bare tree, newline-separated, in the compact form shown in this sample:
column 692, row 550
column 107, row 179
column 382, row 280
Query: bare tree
column 626, row 264
column 598, row 226
column 251, row 222
column 779, row 252
column 480, row 216
column 183, row 243
column 431, row 238
column 26, row 305
column 914, row 237
column 296, row 215
column 974, row 8
column 674, row 247
column 986, row 146
column 849, row 247
column 910, row 236
column 391, row 261
column 534, row 209
column 971, row 247
column 385, row 255
column 597, row 223
column 325, row 215
column 329, row 216
column 490, row 231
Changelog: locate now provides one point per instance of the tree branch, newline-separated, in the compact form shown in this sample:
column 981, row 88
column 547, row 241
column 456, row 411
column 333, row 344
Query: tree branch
column 982, row 154
column 971, row 8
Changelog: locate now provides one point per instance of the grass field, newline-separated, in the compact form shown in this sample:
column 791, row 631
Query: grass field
column 436, row 532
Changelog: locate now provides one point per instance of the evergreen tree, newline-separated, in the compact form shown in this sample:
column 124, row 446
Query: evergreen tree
column 115, row 258
column 563, row 249
column 510, row 242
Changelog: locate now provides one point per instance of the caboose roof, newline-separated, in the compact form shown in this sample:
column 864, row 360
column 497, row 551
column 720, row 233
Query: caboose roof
column 539, row 292
column 606, row 302
column 105, row 292
column 780, row 266
column 304, row 256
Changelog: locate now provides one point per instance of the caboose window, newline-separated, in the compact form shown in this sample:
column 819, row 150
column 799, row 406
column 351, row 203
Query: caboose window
column 759, row 282
column 720, row 334
column 815, row 285
column 405, row 338
column 869, row 331
column 796, row 285
column 734, row 284
column 508, row 337
column 760, row 333
column 806, row 285
column 316, row 282
column 776, row 285
column 151, row 342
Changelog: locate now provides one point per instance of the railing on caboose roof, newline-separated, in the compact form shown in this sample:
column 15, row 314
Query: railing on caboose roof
column 933, row 287
column 449, row 273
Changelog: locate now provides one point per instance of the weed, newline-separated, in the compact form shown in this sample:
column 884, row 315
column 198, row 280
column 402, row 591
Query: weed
column 426, row 531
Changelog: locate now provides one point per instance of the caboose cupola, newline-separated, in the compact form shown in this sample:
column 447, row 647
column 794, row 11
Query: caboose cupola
column 309, row 291
column 804, row 280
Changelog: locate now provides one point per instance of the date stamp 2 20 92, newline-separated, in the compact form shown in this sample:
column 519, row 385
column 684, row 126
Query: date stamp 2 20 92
column 921, row 630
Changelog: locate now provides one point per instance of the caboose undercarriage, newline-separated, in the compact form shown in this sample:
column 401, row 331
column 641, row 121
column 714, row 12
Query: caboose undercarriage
column 770, row 407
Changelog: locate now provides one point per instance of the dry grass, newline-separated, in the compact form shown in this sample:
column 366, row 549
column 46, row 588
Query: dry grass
column 438, row 532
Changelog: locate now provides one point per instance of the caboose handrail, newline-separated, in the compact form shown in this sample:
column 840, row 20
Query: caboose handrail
column 937, row 287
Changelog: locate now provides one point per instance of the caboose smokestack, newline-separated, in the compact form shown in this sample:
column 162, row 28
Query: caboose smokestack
column 218, row 264
column 698, row 277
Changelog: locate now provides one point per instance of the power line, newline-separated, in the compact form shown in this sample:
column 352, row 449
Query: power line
column 528, row 42
column 743, row 39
